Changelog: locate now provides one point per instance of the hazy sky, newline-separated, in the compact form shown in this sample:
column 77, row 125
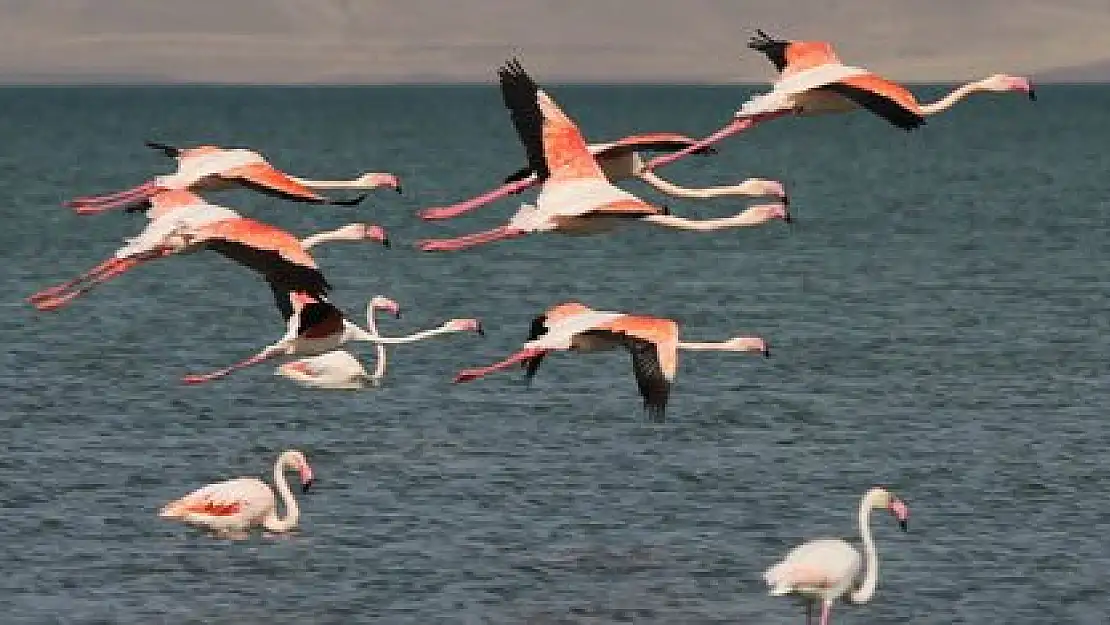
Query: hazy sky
column 278, row 41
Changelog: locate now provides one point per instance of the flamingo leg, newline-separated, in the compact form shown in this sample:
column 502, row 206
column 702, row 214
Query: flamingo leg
column 826, row 607
column 466, row 375
column 54, row 290
column 454, row 210
column 471, row 240
column 118, row 267
column 93, row 205
column 809, row 611
column 733, row 127
column 272, row 351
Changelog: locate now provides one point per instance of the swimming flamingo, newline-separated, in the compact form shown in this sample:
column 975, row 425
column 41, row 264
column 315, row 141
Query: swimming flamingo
column 211, row 168
column 825, row 569
column 813, row 81
column 575, row 197
column 652, row 341
column 233, row 507
column 618, row 160
column 186, row 223
column 315, row 326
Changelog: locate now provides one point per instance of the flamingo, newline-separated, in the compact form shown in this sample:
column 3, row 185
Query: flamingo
column 315, row 326
column 652, row 341
column 619, row 160
column 338, row 369
column 211, row 168
column 183, row 222
column 825, row 569
column 813, row 81
column 233, row 507
column 575, row 197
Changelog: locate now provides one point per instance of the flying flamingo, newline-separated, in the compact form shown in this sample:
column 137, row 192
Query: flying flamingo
column 619, row 160
column 233, row 507
column 211, row 168
column 338, row 369
column 813, row 81
column 315, row 326
column 825, row 569
column 652, row 341
column 186, row 223
column 575, row 197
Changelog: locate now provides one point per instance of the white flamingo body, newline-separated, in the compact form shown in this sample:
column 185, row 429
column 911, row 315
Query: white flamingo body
column 336, row 370
column 207, row 164
column 239, row 504
column 153, row 236
column 826, row 569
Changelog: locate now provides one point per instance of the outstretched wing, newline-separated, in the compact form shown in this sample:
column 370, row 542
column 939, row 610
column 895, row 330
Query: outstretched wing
column 531, row 365
column 654, row 386
column 885, row 98
column 518, row 90
column 265, row 179
column 268, row 250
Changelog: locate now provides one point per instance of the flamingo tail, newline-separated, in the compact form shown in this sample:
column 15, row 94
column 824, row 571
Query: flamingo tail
column 466, row 375
column 454, row 210
column 460, row 243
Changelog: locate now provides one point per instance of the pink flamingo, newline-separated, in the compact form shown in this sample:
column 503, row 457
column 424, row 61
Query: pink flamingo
column 813, row 81
column 825, row 569
column 652, row 341
column 315, row 326
column 233, row 507
column 174, row 212
column 212, row 168
column 576, row 198
column 338, row 369
column 619, row 160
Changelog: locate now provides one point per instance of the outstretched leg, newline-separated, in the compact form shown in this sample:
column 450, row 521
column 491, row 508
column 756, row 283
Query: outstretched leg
column 826, row 607
column 56, row 297
column 272, row 351
column 460, row 243
column 466, row 375
column 93, row 205
column 733, row 127
column 454, row 210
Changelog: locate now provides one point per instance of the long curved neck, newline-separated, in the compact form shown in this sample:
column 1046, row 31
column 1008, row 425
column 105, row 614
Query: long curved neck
column 353, row 183
column 746, row 218
column 866, row 590
column 412, row 338
column 323, row 237
column 379, row 349
column 948, row 101
column 273, row 522
column 702, row 194
column 722, row 346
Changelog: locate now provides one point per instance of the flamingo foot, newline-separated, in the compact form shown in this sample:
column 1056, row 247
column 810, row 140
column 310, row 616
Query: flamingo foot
column 454, row 210
column 54, row 303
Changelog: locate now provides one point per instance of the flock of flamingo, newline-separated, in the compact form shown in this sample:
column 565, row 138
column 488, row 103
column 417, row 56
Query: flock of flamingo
column 577, row 196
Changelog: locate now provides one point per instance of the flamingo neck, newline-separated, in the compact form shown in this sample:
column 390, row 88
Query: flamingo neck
column 748, row 187
column 365, row 181
column 273, row 522
column 720, row 346
column 379, row 349
column 412, row 338
column 866, row 590
column 323, row 237
column 739, row 220
column 950, row 100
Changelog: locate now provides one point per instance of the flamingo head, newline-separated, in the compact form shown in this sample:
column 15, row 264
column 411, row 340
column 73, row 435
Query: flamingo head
column 373, row 180
column 883, row 498
column 361, row 232
column 1004, row 82
column 386, row 304
column 768, row 188
column 294, row 459
column 749, row 344
column 464, row 325
column 769, row 212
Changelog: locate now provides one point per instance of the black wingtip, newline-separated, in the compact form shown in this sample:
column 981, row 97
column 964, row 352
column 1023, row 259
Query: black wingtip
column 164, row 148
column 350, row 202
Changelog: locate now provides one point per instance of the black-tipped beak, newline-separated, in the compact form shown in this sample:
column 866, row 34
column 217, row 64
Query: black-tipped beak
column 1032, row 93
column 398, row 188
column 904, row 525
column 351, row 202
column 786, row 200
column 397, row 314
column 386, row 243
column 766, row 351
column 168, row 150
column 307, row 485
column 789, row 218
column 481, row 331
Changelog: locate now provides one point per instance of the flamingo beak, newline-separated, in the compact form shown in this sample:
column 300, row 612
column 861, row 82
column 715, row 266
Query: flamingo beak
column 479, row 329
column 307, row 485
column 1032, row 92
column 307, row 478
column 168, row 150
column 901, row 512
column 766, row 351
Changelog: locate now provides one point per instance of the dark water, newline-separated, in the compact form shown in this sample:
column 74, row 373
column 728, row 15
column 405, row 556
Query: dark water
column 939, row 319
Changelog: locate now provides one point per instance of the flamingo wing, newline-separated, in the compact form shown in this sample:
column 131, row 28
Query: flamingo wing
column 648, row 142
column 518, row 91
column 793, row 56
column 264, row 178
column 653, row 343
column 247, row 498
column 268, row 250
column 815, row 566
column 885, row 98
column 531, row 365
